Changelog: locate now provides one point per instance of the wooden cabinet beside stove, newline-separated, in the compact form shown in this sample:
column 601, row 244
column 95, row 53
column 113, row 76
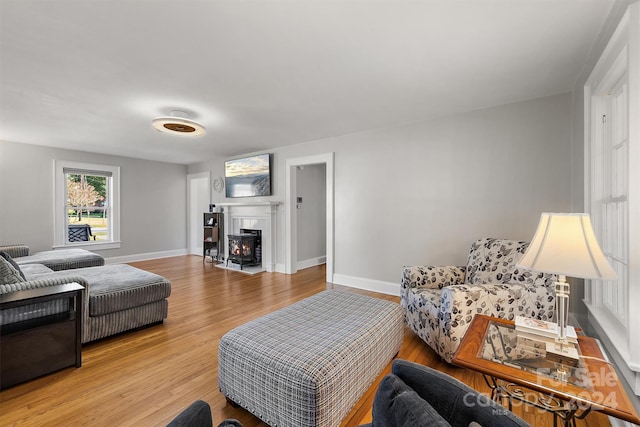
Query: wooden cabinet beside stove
column 213, row 237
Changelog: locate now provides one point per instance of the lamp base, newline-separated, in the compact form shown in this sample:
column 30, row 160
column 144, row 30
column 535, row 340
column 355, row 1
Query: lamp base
column 562, row 306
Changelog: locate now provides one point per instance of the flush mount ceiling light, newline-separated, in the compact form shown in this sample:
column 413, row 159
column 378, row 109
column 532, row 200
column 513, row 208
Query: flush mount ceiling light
column 177, row 123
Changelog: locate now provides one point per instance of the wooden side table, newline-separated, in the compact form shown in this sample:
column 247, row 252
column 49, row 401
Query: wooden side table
column 36, row 347
column 510, row 363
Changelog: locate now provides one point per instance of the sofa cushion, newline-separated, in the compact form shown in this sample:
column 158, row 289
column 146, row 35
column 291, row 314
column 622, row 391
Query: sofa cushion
column 8, row 274
column 31, row 271
column 396, row 404
column 118, row 287
column 121, row 286
column 198, row 414
column 462, row 404
column 63, row 259
column 10, row 260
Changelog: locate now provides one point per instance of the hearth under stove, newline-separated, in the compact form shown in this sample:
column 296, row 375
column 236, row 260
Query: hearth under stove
column 245, row 248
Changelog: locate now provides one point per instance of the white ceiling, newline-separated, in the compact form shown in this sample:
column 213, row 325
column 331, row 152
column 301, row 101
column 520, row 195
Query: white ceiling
column 90, row 75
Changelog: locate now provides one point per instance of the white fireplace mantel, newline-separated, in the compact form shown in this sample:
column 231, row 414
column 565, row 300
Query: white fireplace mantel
column 257, row 215
column 248, row 204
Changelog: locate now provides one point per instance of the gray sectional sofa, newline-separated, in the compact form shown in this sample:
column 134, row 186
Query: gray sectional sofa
column 117, row 297
column 60, row 259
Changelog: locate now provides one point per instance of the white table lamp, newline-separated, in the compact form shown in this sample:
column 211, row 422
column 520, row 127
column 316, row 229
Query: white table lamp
column 565, row 244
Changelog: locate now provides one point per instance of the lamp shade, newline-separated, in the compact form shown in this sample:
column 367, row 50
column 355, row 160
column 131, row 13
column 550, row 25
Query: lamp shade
column 565, row 244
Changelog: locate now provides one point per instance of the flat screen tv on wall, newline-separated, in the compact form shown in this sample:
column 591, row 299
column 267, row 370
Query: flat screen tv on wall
column 248, row 176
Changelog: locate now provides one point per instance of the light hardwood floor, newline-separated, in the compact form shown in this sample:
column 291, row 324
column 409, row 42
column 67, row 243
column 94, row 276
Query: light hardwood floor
column 146, row 377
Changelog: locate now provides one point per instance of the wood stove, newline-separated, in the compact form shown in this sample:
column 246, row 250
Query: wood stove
column 258, row 234
column 242, row 249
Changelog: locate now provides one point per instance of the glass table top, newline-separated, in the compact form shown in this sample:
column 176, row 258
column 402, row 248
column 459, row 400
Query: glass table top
column 513, row 362
column 540, row 355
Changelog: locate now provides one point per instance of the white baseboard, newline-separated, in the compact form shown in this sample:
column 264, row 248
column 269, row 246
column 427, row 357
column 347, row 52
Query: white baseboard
column 145, row 257
column 312, row 262
column 388, row 288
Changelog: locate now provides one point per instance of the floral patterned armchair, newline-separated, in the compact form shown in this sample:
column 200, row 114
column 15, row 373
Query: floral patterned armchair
column 439, row 302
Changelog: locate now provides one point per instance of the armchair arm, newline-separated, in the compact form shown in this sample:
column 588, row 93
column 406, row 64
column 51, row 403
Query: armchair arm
column 41, row 283
column 15, row 251
column 460, row 303
column 39, row 309
column 433, row 277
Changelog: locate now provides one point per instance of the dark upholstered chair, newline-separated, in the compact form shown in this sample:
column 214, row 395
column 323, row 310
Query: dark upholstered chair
column 198, row 414
column 415, row 395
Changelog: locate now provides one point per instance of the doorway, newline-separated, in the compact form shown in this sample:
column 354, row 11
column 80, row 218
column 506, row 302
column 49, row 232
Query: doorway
column 199, row 193
column 292, row 165
column 311, row 222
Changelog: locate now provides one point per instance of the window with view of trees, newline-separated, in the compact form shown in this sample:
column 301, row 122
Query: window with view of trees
column 87, row 205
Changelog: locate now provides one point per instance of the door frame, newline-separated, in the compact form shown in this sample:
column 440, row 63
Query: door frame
column 190, row 225
column 291, row 229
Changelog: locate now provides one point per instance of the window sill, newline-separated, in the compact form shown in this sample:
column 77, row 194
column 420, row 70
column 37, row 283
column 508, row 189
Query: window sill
column 96, row 246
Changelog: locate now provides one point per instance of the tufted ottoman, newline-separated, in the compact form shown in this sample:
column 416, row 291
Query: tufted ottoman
column 309, row 363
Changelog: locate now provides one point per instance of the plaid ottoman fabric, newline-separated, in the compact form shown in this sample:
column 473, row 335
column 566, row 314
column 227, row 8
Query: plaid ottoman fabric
column 309, row 363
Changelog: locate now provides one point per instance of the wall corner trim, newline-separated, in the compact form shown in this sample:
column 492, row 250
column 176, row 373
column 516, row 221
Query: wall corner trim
column 145, row 256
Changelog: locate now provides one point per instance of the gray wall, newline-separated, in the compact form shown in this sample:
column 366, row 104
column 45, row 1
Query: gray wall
column 415, row 194
column 421, row 193
column 152, row 198
column 311, row 214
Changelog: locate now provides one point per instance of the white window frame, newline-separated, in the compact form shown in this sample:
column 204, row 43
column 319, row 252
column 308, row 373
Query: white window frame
column 60, row 203
column 615, row 187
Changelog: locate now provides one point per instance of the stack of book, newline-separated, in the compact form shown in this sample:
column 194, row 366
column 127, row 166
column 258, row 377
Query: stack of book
column 541, row 330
